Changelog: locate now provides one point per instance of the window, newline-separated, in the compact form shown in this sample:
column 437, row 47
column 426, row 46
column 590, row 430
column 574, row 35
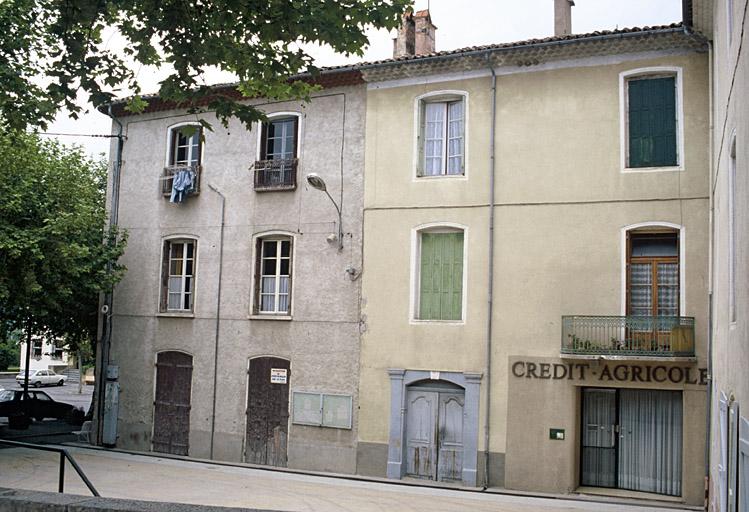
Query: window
column 277, row 164
column 729, row 22
column 651, row 109
column 653, row 273
column 178, row 276
column 722, row 483
column 440, row 271
column 185, row 146
column 732, row 231
column 441, row 135
column 184, row 156
column 36, row 348
column 273, row 276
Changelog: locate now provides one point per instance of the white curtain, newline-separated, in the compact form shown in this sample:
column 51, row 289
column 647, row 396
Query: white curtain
column 650, row 442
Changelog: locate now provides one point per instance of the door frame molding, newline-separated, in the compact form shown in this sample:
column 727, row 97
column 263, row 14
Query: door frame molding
column 400, row 379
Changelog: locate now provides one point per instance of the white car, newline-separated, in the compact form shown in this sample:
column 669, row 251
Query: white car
column 38, row 378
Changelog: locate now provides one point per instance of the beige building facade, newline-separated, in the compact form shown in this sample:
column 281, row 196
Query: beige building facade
column 535, row 280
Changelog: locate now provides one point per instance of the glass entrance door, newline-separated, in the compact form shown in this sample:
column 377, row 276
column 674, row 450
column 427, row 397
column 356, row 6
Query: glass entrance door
column 599, row 438
column 631, row 439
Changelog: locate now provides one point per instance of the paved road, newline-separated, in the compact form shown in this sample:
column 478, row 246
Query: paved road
column 67, row 393
column 119, row 475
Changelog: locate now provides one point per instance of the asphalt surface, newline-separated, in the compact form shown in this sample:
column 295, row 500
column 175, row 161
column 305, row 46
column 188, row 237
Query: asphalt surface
column 122, row 475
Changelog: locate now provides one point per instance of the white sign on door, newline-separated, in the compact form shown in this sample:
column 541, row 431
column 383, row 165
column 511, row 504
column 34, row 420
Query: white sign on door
column 278, row 375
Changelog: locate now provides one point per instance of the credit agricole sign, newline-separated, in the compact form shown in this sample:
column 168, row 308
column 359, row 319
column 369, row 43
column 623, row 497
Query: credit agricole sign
column 610, row 372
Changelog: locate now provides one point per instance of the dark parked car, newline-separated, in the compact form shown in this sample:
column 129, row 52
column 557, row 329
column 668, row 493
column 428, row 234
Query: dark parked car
column 38, row 406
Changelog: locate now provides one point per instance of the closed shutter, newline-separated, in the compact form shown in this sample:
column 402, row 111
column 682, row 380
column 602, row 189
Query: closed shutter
column 441, row 276
column 652, row 122
column 743, row 496
column 723, row 457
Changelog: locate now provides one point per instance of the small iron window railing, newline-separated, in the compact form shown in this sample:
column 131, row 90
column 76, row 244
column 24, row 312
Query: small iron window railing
column 278, row 174
column 660, row 336
column 168, row 177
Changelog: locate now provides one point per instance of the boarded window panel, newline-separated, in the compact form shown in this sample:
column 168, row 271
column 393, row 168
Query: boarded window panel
column 652, row 122
column 336, row 411
column 441, row 287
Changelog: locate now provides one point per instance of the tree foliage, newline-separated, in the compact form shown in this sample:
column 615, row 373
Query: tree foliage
column 55, row 249
column 257, row 40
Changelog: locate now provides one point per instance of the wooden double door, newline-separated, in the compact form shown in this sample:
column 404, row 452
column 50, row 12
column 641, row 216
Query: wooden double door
column 434, row 433
column 268, row 411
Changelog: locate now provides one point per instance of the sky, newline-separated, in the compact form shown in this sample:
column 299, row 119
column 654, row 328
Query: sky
column 460, row 23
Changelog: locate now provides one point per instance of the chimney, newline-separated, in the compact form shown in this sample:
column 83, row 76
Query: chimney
column 425, row 30
column 415, row 35
column 563, row 17
column 404, row 43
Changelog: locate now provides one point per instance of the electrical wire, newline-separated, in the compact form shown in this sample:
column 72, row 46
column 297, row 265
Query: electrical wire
column 77, row 135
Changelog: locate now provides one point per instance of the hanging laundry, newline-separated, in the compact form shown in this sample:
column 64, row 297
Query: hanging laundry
column 183, row 184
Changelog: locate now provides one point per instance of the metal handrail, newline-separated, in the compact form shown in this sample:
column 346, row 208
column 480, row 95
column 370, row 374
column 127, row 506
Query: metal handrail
column 665, row 336
column 63, row 455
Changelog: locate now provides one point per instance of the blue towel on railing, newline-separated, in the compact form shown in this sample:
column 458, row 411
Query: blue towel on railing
column 183, row 184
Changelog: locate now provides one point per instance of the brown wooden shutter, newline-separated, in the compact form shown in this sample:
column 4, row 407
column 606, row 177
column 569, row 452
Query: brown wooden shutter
column 258, row 262
column 263, row 140
column 165, row 276
column 296, row 140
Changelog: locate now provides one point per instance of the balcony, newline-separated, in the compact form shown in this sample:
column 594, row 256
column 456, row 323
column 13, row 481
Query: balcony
column 168, row 177
column 278, row 174
column 626, row 337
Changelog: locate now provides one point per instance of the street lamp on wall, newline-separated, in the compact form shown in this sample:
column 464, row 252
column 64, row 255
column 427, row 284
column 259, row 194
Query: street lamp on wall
column 316, row 182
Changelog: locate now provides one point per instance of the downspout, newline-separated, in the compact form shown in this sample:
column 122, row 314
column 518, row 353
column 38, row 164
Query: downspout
column 711, row 276
column 218, row 313
column 490, row 291
column 106, row 339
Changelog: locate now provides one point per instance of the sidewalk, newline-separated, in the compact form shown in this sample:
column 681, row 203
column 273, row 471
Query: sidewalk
column 120, row 475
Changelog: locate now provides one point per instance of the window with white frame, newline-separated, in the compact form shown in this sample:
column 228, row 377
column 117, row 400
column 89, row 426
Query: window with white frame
column 36, row 348
column 185, row 145
column 273, row 275
column 278, row 153
column 178, row 275
column 442, row 135
column 651, row 112
column 439, row 295
column 732, row 231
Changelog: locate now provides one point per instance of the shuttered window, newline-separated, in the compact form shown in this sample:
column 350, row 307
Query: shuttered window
column 441, row 276
column 652, row 122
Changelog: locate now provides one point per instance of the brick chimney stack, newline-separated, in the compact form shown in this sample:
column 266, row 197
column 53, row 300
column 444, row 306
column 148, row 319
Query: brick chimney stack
column 415, row 35
column 425, row 31
column 563, row 17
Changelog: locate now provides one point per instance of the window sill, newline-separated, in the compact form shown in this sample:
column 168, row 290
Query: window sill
column 441, row 177
column 176, row 314
column 282, row 318
column 416, row 321
column 670, row 168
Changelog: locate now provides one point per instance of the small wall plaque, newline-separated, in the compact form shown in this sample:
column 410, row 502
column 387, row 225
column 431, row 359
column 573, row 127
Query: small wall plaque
column 556, row 434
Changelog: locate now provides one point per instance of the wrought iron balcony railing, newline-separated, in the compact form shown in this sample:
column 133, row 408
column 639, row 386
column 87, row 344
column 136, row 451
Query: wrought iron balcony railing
column 275, row 174
column 168, row 178
column 655, row 336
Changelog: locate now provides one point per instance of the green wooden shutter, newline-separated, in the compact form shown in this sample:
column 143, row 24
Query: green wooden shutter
column 441, row 276
column 652, row 122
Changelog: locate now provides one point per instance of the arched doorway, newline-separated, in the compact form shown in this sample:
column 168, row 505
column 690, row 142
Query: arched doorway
column 171, row 416
column 434, row 430
column 267, row 411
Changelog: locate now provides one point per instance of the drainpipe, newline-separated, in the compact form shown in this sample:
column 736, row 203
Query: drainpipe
column 490, row 291
column 218, row 312
column 106, row 338
column 711, row 276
